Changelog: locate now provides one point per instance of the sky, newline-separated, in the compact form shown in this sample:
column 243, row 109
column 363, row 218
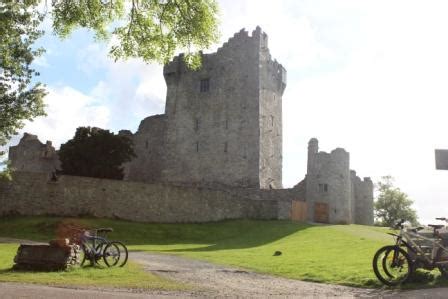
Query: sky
column 366, row 75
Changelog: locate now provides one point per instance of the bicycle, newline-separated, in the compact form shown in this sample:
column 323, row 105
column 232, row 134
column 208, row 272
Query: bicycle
column 413, row 249
column 95, row 247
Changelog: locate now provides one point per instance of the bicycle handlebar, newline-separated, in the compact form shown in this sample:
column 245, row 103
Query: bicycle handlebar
column 399, row 224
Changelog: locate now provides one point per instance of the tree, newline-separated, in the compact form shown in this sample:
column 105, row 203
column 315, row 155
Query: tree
column 20, row 99
column 149, row 29
column 153, row 29
column 392, row 204
column 94, row 152
column 6, row 172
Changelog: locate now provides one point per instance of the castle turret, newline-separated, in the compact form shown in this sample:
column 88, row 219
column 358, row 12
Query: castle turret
column 313, row 149
column 328, row 185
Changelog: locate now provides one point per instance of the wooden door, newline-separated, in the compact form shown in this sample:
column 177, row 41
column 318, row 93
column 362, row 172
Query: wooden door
column 321, row 212
column 298, row 210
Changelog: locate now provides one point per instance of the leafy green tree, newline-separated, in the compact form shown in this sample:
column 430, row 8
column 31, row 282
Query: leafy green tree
column 6, row 172
column 392, row 204
column 149, row 29
column 20, row 98
column 94, row 152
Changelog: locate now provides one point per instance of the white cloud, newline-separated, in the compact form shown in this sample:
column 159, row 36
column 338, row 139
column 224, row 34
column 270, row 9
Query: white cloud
column 132, row 88
column 66, row 110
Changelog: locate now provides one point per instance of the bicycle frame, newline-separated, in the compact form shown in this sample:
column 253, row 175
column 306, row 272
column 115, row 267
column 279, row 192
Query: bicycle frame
column 90, row 242
column 408, row 239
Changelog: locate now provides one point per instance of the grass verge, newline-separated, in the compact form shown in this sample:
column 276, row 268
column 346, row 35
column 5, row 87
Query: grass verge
column 338, row 254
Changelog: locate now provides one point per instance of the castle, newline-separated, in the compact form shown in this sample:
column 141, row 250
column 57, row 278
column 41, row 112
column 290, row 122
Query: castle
column 222, row 128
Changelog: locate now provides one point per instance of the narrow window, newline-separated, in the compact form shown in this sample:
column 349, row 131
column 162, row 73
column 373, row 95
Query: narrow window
column 272, row 120
column 227, row 124
column 196, row 126
column 205, row 85
column 225, row 147
column 197, row 146
column 146, row 144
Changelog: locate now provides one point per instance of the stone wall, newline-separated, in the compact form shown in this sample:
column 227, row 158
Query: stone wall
column 35, row 194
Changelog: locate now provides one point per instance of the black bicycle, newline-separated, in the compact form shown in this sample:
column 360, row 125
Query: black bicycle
column 414, row 248
column 96, row 247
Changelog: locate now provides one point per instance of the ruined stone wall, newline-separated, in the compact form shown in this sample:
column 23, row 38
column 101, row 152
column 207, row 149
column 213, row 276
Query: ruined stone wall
column 213, row 134
column 149, row 147
column 35, row 194
column 34, row 156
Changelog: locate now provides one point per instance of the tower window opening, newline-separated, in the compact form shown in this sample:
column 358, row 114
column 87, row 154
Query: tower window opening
column 323, row 188
column 197, row 146
column 146, row 144
column 196, row 125
column 205, row 85
column 225, row 147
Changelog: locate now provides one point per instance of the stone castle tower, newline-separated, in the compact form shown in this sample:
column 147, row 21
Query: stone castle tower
column 334, row 193
column 222, row 123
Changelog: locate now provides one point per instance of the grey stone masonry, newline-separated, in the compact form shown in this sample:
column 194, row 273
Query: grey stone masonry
column 225, row 120
column 33, row 156
column 329, row 181
column 70, row 196
column 149, row 147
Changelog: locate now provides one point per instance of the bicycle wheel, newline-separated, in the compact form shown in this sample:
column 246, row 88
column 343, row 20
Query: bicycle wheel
column 111, row 254
column 99, row 253
column 392, row 265
column 86, row 255
column 111, row 258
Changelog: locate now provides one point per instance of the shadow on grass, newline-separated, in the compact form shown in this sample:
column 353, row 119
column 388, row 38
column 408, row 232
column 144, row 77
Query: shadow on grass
column 250, row 234
column 228, row 234
column 425, row 279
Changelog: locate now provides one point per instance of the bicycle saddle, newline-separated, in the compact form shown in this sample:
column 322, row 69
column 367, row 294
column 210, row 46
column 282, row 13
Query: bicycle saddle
column 436, row 226
column 105, row 230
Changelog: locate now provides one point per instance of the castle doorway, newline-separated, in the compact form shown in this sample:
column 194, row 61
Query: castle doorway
column 298, row 210
column 321, row 212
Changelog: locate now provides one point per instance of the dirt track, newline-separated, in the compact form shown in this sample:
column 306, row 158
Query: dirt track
column 212, row 281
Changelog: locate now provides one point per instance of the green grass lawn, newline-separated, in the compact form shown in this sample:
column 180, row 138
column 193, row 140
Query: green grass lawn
column 130, row 276
column 339, row 254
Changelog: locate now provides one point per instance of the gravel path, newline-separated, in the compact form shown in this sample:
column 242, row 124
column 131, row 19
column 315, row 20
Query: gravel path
column 211, row 281
column 222, row 281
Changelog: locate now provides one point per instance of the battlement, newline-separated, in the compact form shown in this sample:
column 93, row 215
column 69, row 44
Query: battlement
column 240, row 44
column 242, row 37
